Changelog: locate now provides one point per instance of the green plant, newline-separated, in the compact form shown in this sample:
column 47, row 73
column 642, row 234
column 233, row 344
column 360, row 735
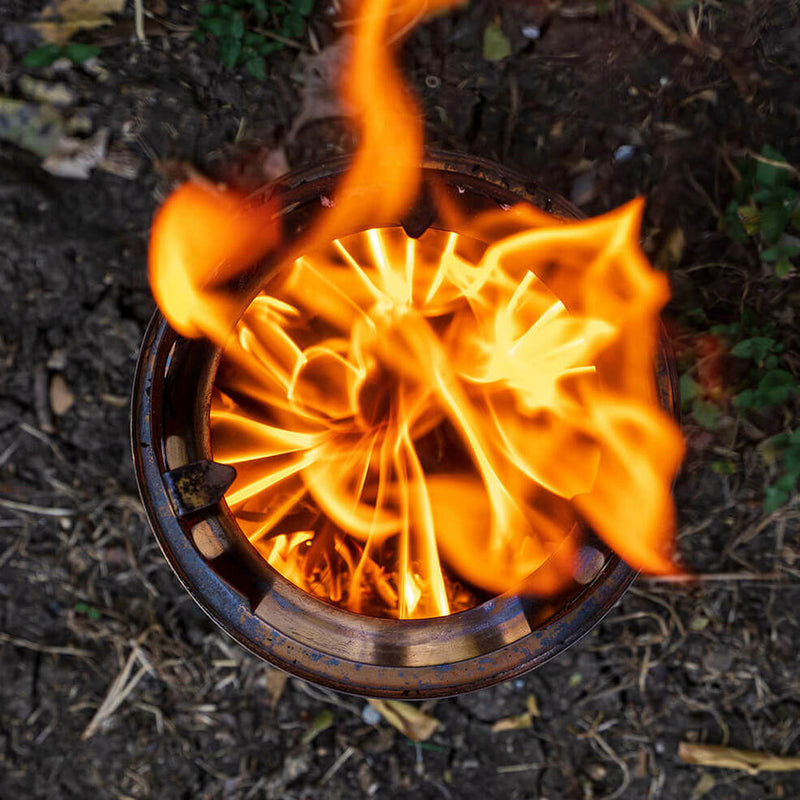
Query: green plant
column 766, row 382
column 766, row 206
column 752, row 349
column 46, row 54
column 249, row 30
column 784, row 447
column 89, row 611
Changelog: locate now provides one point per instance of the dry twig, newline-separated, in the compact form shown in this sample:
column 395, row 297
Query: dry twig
column 672, row 37
column 56, row 650
column 751, row 761
column 120, row 687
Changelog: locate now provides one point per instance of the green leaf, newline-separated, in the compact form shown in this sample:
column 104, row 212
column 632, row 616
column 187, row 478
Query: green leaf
column 303, row 7
column 757, row 348
column 251, row 39
column 724, row 467
column 791, row 461
column 794, row 219
column 294, row 25
column 772, row 175
column 268, row 46
column 706, row 414
column 786, row 483
column 208, row 9
column 734, row 224
column 773, row 220
column 43, row 56
column 215, row 25
column 237, row 27
column 496, row 45
column 745, row 399
column 689, row 388
column 783, row 267
column 750, row 217
column 229, row 50
column 776, row 387
column 774, row 498
column 78, row 53
column 260, row 10
column 257, row 67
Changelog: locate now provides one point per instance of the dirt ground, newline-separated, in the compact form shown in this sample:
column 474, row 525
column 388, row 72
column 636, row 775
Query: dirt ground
column 87, row 603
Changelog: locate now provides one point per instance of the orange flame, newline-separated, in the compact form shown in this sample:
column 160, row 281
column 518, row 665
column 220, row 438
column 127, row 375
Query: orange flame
column 417, row 424
column 202, row 239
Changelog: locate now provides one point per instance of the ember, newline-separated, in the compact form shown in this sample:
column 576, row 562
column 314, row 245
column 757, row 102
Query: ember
column 419, row 424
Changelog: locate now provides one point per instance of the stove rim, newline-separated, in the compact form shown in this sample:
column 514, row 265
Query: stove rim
column 232, row 611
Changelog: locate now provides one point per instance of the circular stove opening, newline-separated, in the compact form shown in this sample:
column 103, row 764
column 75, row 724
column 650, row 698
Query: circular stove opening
column 495, row 636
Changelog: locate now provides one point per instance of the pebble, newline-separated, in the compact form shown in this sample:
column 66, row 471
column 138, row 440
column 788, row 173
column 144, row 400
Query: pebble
column 624, row 153
column 370, row 715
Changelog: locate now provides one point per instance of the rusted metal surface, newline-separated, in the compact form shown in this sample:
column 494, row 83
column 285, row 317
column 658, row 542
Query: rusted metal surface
column 271, row 617
column 197, row 486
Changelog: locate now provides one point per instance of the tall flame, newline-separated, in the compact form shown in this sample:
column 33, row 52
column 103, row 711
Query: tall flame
column 417, row 423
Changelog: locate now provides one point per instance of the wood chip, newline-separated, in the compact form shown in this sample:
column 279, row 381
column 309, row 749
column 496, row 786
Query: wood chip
column 62, row 398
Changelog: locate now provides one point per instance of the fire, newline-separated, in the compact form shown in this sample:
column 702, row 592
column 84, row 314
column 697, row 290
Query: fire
column 417, row 424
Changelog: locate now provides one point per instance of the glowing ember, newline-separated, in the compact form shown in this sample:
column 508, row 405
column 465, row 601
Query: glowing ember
column 417, row 424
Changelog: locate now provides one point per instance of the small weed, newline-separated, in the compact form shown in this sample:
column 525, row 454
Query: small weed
column 752, row 349
column 87, row 610
column 249, row 30
column 45, row 55
column 784, row 448
column 765, row 208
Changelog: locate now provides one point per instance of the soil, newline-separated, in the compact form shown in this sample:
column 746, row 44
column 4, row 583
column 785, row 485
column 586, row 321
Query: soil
column 89, row 607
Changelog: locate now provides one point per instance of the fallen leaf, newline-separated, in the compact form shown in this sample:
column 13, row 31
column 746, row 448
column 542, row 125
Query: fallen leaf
column 75, row 158
column 60, row 20
column 320, row 79
column 276, row 683
column 31, row 126
column 407, row 718
column 55, row 94
column 320, row 723
column 750, row 761
column 703, row 786
column 496, row 45
column 518, row 721
column 41, row 129
column 62, row 398
column 671, row 251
